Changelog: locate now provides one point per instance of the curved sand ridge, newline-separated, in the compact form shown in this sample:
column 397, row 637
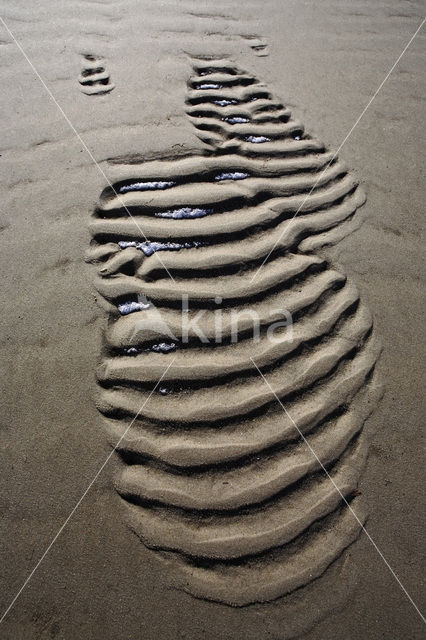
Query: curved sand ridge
column 214, row 472
column 94, row 79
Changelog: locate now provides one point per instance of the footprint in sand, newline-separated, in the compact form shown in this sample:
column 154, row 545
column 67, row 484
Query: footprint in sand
column 215, row 470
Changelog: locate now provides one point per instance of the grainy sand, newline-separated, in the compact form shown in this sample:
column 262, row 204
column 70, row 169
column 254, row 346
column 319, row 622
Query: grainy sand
column 324, row 61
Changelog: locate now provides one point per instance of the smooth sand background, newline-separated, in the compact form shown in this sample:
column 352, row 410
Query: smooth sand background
column 324, row 60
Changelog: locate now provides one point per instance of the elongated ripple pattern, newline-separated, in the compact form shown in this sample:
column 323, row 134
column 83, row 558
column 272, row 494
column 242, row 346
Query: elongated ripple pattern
column 215, row 475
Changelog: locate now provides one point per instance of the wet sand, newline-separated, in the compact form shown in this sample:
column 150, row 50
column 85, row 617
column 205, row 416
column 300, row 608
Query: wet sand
column 324, row 62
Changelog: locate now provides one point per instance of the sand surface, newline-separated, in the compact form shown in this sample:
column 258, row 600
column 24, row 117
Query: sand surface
column 324, row 61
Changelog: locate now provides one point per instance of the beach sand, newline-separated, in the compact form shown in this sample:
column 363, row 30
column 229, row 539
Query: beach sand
column 324, row 61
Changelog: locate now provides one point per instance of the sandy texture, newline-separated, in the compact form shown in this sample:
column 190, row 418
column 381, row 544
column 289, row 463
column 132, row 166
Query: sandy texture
column 324, row 62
